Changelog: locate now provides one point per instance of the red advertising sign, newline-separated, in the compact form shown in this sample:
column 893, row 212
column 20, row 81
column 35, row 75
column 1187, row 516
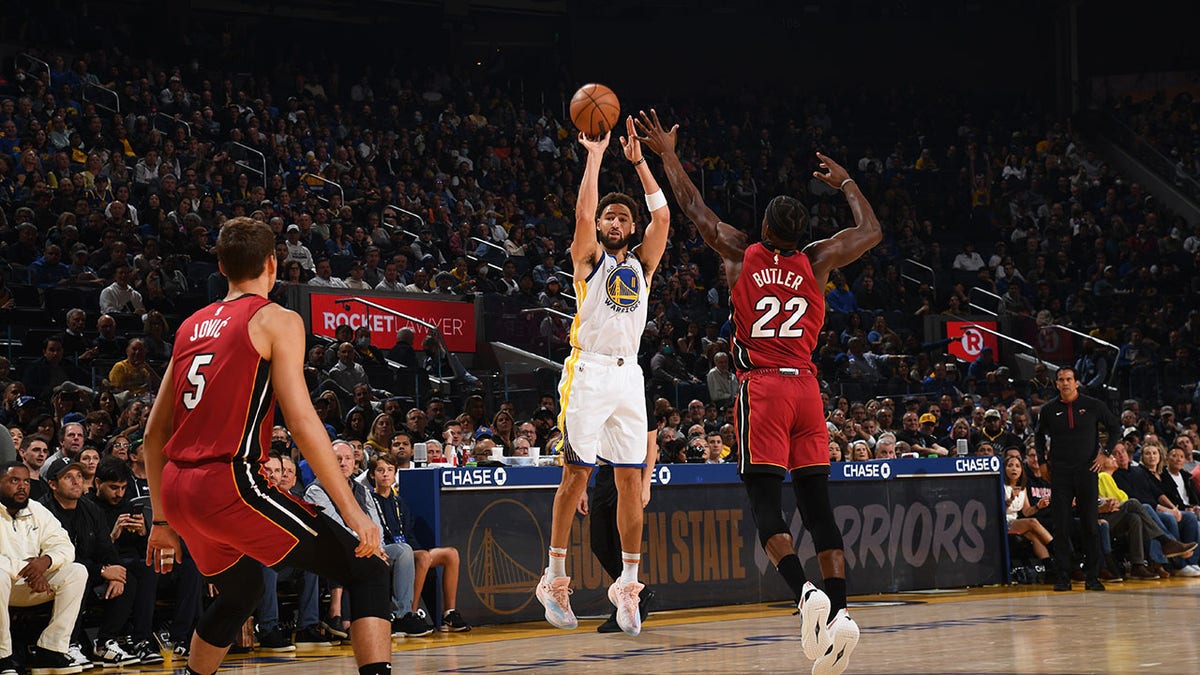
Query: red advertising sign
column 967, row 341
column 455, row 319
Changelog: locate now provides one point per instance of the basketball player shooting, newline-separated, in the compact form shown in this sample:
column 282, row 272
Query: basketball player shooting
column 777, row 296
column 602, row 390
column 206, row 443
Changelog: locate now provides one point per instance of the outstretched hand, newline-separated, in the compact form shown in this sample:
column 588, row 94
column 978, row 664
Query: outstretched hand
column 594, row 146
column 834, row 174
column 630, row 143
column 659, row 140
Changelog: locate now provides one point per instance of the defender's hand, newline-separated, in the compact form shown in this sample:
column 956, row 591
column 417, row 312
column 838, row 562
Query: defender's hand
column 834, row 174
column 660, row 141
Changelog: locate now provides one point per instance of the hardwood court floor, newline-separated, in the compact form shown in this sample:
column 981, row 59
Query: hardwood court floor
column 1133, row 628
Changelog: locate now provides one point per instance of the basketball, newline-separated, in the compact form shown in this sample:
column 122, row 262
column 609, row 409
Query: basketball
column 595, row 110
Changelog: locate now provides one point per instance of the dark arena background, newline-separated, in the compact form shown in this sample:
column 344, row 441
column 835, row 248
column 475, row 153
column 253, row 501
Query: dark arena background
column 1035, row 168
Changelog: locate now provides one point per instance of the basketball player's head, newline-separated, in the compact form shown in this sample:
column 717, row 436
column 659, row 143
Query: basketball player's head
column 614, row 220
column 783, row 222
column 246, row 249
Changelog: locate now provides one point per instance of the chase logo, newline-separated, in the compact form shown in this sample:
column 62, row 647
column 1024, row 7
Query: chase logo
column 623, row 288
column 474, row 477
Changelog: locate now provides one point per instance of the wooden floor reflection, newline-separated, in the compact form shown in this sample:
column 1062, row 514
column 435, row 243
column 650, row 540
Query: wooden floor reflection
column 1133, row 628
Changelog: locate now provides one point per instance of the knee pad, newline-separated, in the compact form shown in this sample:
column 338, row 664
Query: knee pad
column 812, row 498
column 240, row 589
column 370, row 588
column 766, row 505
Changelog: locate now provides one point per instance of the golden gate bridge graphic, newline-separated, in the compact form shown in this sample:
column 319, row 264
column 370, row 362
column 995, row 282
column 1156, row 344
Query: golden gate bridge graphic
column 494, row 573
column 504, row 580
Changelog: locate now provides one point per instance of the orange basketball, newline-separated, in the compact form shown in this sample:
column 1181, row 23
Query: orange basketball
column 595, row 110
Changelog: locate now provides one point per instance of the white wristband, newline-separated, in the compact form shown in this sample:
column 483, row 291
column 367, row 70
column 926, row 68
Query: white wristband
column 656, row 201
column 843, row 185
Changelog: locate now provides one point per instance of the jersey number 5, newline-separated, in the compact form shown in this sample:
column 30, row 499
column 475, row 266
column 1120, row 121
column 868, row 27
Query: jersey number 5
column 770, row 305
column 196, row 378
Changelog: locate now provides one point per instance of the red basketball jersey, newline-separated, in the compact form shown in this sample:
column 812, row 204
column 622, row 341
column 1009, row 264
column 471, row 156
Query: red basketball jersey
column 222, row 387
column 778, row 310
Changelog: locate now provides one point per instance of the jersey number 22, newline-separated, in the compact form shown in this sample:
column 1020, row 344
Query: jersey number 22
column 770, row 306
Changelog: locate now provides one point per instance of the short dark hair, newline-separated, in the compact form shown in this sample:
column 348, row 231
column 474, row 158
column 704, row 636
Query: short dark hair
column 12, row 464
column 112, row 470
column 384, row 457
column 617, row 198
column 786, row 218
column 243, row 248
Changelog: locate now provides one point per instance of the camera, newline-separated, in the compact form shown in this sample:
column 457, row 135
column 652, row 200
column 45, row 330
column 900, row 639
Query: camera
column 280, row 448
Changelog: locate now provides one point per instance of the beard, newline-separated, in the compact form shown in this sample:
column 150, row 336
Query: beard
column 614, row 245
column 13, row 503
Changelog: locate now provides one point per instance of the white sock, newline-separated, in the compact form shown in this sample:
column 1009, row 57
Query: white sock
column 629, row 566
column 558, row 562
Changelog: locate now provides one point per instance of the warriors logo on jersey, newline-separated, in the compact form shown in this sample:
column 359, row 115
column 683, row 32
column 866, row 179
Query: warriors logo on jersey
column 623, row 288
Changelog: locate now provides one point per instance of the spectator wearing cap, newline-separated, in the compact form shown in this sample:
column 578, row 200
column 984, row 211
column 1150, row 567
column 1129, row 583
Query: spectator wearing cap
column 1166, row 427
column 444, row 284
column 94, row 549
column 984, row 365
column 993, row 432
column 553, row 292
column 425, row 246
column 546, row 269
column 357, row 279
column 918, row 432
column 39, row 566
column 81, row 273
column 298, row 251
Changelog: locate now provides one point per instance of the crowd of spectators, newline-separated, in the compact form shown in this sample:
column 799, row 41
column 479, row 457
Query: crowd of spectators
column 108, row 220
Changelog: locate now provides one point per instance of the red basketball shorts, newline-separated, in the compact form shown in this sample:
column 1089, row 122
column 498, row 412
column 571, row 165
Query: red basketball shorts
column 780, row 422
column 226, row 510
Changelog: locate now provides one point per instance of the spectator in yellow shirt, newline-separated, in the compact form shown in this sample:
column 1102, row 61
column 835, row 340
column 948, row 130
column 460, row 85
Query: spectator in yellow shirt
column 133, row 374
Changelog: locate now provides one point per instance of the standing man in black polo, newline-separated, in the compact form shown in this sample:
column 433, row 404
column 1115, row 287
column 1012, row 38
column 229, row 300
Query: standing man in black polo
column 1070, row 422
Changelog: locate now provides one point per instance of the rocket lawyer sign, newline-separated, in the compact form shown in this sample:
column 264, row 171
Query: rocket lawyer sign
column 454, row 318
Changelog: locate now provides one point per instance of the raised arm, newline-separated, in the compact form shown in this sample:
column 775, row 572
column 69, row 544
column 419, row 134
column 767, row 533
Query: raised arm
column 654, row 242
column 848, row 245
column 723, row 238
column 584, row 244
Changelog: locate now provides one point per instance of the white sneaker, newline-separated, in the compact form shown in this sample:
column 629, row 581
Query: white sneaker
column 814, row 621
column 111, row 654
column 555, row 596
column 75, row 653
column 625, row 596
column 1189, row 571
column 843, row 633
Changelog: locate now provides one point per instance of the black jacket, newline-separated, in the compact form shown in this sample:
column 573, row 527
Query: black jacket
column 85, row 525
column 1171, row 490
column 1073, row 431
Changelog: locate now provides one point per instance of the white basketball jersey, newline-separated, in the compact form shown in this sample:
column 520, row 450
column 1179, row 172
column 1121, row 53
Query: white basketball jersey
column 612, row 305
